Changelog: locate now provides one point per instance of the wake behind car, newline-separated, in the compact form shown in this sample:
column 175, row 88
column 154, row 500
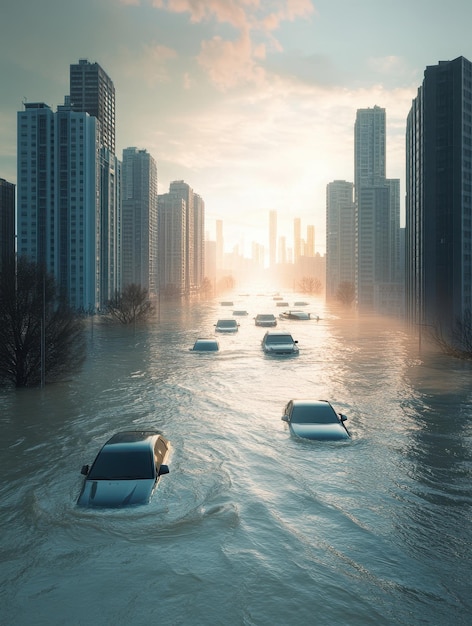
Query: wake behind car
column 278, row 343
column 265, row 319
column 315, row 419
column 126, row 470
column 226, row 326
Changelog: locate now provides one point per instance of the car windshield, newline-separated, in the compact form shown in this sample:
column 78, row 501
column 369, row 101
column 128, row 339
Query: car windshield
column 116, row 464
column 318, row 414
column 226, row 324
column 265, row 318
column 205, row 346
column 279, row 339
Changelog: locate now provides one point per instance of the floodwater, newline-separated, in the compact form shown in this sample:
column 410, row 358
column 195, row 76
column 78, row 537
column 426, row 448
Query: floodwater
column 251, row 526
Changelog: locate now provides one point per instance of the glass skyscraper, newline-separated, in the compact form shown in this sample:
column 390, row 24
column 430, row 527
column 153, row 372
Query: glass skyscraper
column 439, row 197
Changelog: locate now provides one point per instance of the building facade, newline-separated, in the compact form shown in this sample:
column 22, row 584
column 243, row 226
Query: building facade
column 438, row 239
column 377, row 199
column 340, row 236
column 7, row 223
column 172, row 245
column 139, row 220
column 69, row 181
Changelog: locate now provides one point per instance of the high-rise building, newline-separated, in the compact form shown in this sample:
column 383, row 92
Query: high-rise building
column 7, row 223
column 340, row 236
column 69, row 182
column 139, row 220
column 297, row 239
column 439, row 197
column 92, row 91
column 272, row 239
column 310, row 241
column 183, row 190
column 378, row 285
column 58, row 221
column 199, row 240
column 172, row 246
column 219, row 246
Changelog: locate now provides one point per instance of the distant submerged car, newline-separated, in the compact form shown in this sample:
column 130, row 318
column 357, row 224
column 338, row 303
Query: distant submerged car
column 277, row 343
column 240, row 312
column 126, row 470
column 294, row 315
column 226, row 326
column 205, row 345
column 315, row 419
column 265, row 319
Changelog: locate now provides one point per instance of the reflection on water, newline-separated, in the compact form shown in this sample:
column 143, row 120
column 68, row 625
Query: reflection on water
column 252, row 526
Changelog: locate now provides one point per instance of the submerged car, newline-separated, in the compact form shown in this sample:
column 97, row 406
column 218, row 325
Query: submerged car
column 126, row 470
column 265, row 319
column 294, row 315
column 315, row 419
column 240, row 312
column 279, row 343
column 205, row 345
column 226, row 326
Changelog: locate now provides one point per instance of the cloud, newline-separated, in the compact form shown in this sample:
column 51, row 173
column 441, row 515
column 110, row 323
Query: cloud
column 232, row 62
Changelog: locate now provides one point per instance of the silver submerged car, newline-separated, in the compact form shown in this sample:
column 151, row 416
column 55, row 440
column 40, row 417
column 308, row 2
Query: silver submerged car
column 265, row 319
column 315, row 419
column 226, row 326
column 205, row 345
column 279, row 343
column 126, row 470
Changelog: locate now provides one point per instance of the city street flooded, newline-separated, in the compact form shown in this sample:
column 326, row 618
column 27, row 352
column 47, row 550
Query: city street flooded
column 252, row 525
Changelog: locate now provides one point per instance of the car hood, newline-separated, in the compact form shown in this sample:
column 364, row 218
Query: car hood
column 320, row 431
column 115, row 493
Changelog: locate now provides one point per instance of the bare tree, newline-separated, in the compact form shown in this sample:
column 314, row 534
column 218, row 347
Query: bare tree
column 458, row 342
column 41, row 337
column 310, row 284
column 131, row 305
column 345, row 293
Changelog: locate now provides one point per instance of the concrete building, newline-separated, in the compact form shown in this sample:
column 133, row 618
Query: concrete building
column 438, row 239
column 377, row 200
column 7, row 223
column 340, row 236
column 172, row 245
column 69, row 181
column 92, row 91
column 272, row 239
column 139, row 221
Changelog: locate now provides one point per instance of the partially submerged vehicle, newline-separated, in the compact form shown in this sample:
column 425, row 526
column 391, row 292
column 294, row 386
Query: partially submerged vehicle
column 126, row 470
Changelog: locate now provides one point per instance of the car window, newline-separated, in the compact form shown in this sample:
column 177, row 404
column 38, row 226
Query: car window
column 116, row 464
column 319, row 414
column 279, row 339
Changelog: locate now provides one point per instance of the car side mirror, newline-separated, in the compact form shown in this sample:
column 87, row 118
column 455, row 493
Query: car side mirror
column 343, row 417
column 163, row 469
column 296, row 341
column 85, row 470
column 285, row 418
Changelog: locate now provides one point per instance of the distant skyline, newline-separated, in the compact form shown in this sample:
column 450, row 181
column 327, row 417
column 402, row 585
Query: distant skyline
column 252, row 103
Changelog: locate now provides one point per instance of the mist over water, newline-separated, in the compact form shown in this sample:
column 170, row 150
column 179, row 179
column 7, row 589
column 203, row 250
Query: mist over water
column 251, row 526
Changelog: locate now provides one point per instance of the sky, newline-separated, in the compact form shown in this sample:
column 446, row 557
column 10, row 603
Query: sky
column 250, row 102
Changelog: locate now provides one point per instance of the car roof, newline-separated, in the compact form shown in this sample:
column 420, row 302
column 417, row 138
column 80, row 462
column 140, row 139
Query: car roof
column 313, row 403
column 134, row 439
column 278, row 333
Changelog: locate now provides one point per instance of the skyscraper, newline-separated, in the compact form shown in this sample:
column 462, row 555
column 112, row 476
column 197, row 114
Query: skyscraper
column 378, row 286
column 139, row 220
column 340, row 236
column 69, row 189
column 58, row 211
column 297, row 239
column 272, row 239
column 7, row 222
column 92, row 91
column 172, row 249
column 439, row 197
